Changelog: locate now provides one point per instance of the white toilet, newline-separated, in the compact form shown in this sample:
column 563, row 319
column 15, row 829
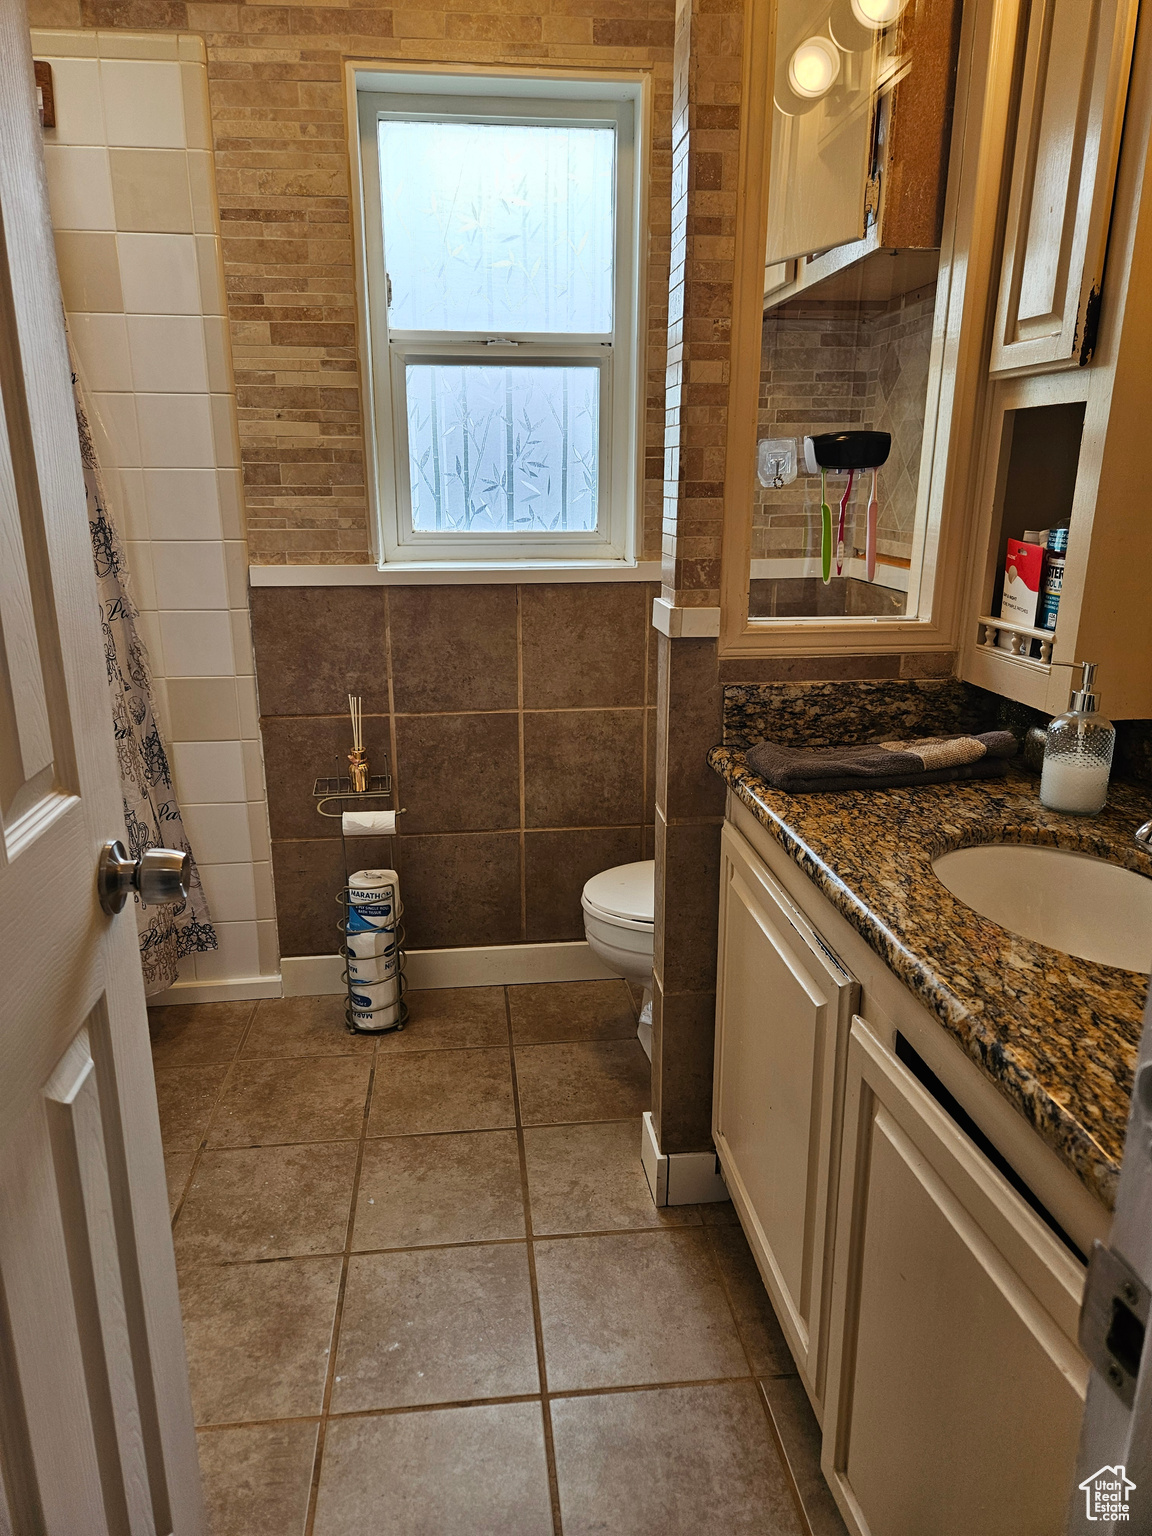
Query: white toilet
column 619, row 907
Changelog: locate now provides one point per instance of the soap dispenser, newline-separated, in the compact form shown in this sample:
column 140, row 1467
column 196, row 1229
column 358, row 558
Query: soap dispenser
column 1078, row 754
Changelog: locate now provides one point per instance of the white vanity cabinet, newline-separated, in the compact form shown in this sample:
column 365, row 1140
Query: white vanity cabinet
column 955, row 1384
column 784, row 1008
column 889, row 1193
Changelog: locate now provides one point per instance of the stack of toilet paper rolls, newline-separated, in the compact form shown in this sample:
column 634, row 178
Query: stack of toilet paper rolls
column 373, row 955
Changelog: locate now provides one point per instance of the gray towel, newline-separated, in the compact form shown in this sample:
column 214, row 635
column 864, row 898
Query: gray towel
column 882, row 765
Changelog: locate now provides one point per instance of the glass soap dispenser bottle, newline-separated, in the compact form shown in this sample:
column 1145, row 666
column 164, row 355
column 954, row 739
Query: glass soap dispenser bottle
column 1078, row 754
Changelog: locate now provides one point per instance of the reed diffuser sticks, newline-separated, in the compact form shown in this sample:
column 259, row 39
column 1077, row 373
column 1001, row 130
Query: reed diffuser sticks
column 357, row 758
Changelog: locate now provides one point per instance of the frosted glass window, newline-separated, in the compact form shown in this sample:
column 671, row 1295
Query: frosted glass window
column 498, row 227
column 503, row 449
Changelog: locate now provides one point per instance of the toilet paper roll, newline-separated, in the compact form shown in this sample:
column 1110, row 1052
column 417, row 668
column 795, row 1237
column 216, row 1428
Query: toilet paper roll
column 372, row 996
column 368, row 823
column 373, row 896
column 372, row 967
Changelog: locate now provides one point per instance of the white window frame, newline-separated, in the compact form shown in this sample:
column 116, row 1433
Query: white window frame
column 536, row 97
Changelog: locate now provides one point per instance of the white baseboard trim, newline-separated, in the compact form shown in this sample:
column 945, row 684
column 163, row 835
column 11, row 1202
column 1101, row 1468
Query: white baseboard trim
column 680, row 1178
column 238, row 990
column 505, row 965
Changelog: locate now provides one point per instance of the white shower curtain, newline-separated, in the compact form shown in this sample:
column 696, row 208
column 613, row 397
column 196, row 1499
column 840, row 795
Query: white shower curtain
column 151, row 811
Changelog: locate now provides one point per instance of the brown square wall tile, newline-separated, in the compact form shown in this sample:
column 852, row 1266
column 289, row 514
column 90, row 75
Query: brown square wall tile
column 257, row 1478
column 197, row 1034
column 432, row 1091
column 461, row 889
column 308, row 876
column 690, row 896
column 588, row 1178
column 695, row 704
column 571, row 1010
column 685, row 1055
column 445, row 1018
column 317, row 1098
column 557, row 866
column 258, row 1337
column 267, row 1203
column 605, row 1303
column 584, row 768
column 299, row 748
column 583, row 645
column 303, row 1026
column 453, row 648
column 682, row 1461
column 186, row 1097
column 442, row 1472
column 440, row 1325
column 316, row 645
column 458, row 773
column 588, row 1080
column 420, row 1190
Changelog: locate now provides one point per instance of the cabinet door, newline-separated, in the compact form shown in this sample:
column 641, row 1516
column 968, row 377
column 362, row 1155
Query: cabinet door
column 783, row 1007
column 1077, row 61
column 954, row 1386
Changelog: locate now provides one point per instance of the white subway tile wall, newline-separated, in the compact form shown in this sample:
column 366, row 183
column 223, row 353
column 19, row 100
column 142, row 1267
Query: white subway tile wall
column 134, row 210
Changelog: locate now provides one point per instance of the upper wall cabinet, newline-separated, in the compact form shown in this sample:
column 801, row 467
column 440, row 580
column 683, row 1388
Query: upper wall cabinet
column 1078, row 56
column 861, row 119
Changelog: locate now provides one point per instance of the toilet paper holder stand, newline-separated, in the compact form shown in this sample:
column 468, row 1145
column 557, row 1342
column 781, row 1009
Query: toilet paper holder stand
column 337, row 789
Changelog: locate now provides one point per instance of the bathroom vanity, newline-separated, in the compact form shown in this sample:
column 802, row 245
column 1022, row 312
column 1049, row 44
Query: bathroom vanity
column 920, row 1118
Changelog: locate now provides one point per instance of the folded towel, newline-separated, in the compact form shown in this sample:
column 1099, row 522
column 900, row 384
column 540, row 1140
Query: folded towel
column 883, row 764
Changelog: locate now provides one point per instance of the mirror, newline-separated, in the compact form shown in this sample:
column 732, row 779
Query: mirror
column 861, row 126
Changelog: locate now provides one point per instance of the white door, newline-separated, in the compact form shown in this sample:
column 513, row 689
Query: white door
column 96, row 1428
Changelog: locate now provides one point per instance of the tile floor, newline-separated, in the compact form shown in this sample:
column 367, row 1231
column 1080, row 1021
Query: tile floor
column 426, row 1292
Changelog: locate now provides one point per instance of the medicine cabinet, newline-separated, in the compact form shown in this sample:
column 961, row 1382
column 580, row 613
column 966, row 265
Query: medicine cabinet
column 993, row 312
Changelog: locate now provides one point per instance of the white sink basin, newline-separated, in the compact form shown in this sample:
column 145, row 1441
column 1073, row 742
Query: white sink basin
column 1068, row 901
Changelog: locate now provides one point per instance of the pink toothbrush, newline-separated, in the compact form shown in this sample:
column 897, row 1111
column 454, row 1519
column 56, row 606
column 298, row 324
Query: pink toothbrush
column 870, row 547
column 840, row 530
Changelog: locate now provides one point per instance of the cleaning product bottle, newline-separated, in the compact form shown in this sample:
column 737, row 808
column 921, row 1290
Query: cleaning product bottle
column 1078, row 754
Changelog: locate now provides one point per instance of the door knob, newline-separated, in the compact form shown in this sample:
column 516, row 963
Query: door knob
column 160, row 875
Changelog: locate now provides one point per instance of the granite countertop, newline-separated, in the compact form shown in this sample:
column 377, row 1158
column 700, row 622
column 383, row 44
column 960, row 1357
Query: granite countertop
column 1057, row 1035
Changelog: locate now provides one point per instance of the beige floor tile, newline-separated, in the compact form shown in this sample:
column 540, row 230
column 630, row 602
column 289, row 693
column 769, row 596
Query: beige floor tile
column 800, row 1436
column 177, row 1167
column 679, row 1461
column 459, row 1188
column 258, row 1337
column 588, row 1178
column 304, row 1026
column 571, row 1010
column 755, row 1319
column 634, row 1308
column 446, row 1472
column 442, row 1091
column 451, row 1017
column 197, row 1034
column 317, row 1098
column 185, row 1097
column 257, row 1478
column 267, row 1203
column 719, row 1213
column 592, row 1080
column 441, row 1325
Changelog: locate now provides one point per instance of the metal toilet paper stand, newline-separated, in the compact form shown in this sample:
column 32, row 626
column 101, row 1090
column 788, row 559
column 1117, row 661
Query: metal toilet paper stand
column 337, row 790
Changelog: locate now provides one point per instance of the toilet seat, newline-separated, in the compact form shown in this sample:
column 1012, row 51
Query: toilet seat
column 624, row 897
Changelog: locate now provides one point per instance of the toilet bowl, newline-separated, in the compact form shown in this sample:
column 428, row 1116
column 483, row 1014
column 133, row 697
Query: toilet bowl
column 619, row 906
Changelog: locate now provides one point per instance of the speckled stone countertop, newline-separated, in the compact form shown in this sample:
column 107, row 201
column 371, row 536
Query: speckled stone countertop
column 1057, row 1035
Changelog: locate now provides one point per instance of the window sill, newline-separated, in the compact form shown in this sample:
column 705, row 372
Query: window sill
column 444, row 574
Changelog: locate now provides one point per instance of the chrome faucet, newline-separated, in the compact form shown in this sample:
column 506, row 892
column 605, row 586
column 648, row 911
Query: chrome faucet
column 1143, row 835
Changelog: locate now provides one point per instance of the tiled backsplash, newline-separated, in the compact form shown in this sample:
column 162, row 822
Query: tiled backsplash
column 138, row 248
column 831, row 367
column 520, row 726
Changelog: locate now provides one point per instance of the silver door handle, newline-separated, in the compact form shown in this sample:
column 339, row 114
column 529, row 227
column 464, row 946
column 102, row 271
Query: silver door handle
column 160, row 875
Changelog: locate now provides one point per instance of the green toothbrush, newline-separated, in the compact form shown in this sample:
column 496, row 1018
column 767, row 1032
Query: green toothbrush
column 825, row 530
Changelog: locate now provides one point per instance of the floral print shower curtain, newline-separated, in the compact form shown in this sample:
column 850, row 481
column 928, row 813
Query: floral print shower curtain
column 151, row 812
